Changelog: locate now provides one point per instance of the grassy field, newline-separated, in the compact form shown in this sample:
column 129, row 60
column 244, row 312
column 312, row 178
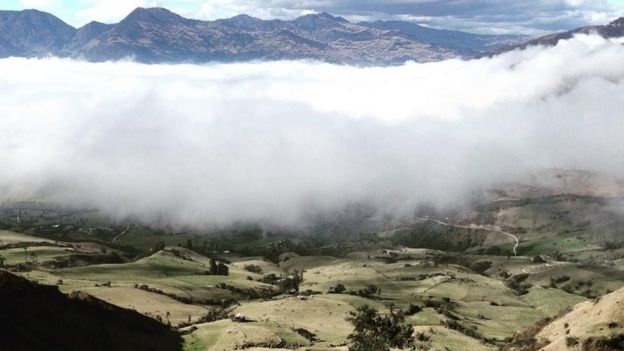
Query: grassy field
column 7, row 237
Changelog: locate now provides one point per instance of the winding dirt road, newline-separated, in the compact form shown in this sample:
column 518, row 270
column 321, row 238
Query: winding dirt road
column 490, row 228
column 121, row 234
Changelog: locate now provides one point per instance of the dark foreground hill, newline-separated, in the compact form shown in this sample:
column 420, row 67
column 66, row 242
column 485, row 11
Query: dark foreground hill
column 36, row 317
column 156, row 35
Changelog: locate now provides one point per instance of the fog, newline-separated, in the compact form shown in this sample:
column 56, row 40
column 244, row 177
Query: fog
column 200, row 145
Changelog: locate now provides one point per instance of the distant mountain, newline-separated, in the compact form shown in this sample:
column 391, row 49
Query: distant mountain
column 614, row 29
column 156, row 35
column 32, row 32
column 465, row 44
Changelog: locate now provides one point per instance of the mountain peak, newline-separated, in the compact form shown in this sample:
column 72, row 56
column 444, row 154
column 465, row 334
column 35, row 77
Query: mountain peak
column 159, row 14
column 323, row 16
column 33, row 32
column 244, row 20
column 316, row 20
column 618, row 22
column 93, row 24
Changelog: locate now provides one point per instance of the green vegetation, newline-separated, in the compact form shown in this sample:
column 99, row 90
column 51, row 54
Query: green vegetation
column 374, row 332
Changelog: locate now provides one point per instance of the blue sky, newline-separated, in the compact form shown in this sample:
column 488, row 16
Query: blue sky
column 486, row 16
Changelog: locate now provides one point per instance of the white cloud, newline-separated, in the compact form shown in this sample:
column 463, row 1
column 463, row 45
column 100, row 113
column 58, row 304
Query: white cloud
column 216, row 143
column 40, row 4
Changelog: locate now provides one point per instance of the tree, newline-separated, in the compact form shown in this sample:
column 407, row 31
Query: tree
column 253, row 268
column 374, row 332
column 338, row 289
column 2, row 261
column 159, row 246
column 213, row 266
column 270, row 278
column 413, row 309
column 370, row 291
column 222, row 269
column 292, row 282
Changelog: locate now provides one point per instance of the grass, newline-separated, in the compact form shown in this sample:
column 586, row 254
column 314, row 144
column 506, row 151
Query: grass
column 185, row 278
column 601, row 318
column 226, row 335
column 150, row 304
column 7, row 237
column 41, row 253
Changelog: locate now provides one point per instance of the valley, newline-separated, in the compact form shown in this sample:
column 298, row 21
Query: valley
column 523, row 257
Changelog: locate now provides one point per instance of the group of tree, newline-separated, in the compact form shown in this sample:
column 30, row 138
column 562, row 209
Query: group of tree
column 292, row 282
column 218, row 268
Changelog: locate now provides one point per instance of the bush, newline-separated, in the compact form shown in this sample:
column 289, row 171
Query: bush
column 571, row 341
column 270, row 279
column 338, row 289
column 374, row 332
column 253, row 268
column 413, row 309
column 222, row 269
column 369, row 292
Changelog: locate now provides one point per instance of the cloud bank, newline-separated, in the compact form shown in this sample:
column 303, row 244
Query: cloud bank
column 212, row 144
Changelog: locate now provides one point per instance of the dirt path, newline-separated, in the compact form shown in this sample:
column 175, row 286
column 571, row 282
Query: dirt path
column 124, row 232
column 490, row 228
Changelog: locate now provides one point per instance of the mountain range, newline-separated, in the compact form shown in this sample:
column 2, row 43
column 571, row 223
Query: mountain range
column 155, row 35
column 615, row 29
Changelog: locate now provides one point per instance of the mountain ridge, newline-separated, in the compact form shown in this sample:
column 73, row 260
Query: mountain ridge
column 613, row 29
column 158, row 35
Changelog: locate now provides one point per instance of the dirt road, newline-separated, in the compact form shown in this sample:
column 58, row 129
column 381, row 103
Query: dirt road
column 490, row 228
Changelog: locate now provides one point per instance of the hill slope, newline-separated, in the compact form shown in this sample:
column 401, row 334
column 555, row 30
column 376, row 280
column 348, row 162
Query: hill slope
column 591, row 326
column 37, row 317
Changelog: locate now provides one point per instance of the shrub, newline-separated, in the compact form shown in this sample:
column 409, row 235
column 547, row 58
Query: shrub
column 369, row 292
column 253, row 268
column 270, row 279
column 222, row 269
column 338, row 289
column 413, row 309
column 571, row 341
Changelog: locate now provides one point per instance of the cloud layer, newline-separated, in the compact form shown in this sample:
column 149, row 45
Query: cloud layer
column 213, row 144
